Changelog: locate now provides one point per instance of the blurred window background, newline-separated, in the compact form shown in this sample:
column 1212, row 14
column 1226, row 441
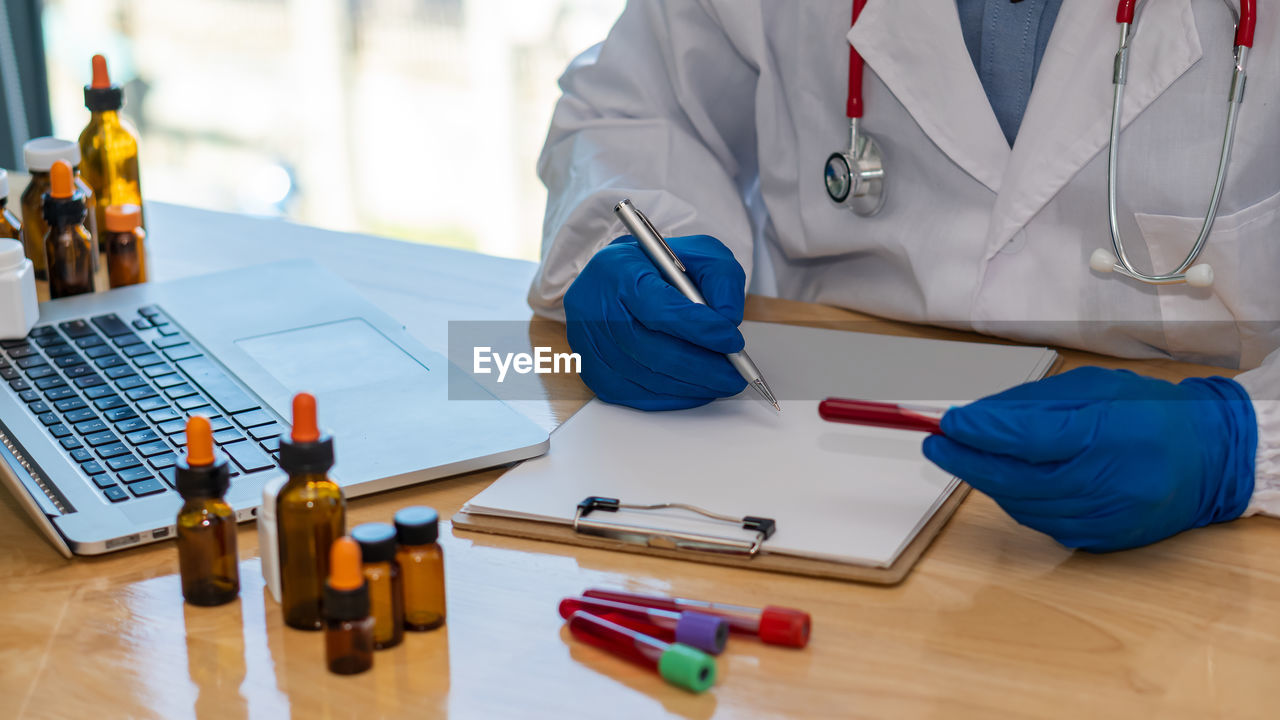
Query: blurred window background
column 413, row 119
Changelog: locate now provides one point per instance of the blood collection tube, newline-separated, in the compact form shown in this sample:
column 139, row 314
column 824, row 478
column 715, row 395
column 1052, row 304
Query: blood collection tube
column 881, row 414
column 774, row 625
column 683, row 666
column 707, row 633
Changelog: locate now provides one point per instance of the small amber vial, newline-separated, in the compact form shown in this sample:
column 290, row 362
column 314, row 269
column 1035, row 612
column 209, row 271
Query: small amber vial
column 68, row 247
column 39, row 155
column 9, row 226
column 382, row 573
column 310, row 515
column 348, row 627
column 421, row 563
column 207, row 556
column 125, row 241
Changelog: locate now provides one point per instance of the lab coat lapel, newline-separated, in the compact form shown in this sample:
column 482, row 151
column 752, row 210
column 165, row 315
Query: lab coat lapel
column 1068, row 117
column 917, row 49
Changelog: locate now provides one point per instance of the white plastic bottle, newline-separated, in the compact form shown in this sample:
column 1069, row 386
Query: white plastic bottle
column 18, row 308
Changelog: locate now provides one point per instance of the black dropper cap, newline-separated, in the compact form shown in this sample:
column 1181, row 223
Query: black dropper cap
column 417, row 525
column 377, row 541
column 346, row 604
column 305, row 450
column 101, row 95
column 202, row 481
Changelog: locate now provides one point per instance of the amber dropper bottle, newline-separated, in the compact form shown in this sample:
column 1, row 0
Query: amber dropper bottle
column 207, row 554
column 310, row 515
column 40, row 154
column 348, row 628
column 68, row 246
column 108, row 148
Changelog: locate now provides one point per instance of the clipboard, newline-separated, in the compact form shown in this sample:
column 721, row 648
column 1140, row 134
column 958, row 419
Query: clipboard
column 761, row 560
column 846, row 502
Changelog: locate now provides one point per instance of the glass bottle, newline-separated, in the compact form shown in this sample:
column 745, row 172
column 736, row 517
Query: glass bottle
column 207, row 556
column 125, row 242
column 421, row 562
column 382, row 573
column 39, row 155
column 310, row 514
column 10, row 227
column 68, row 246
column 348, row 627
column 108, row 148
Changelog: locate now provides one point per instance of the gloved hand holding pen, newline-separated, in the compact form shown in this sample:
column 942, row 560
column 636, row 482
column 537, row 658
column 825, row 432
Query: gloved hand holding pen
column 1106, row 459
column 642, row 343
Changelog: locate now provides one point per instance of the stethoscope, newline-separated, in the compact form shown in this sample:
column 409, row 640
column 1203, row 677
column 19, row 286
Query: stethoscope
column 1196, row 275
column 854, row 178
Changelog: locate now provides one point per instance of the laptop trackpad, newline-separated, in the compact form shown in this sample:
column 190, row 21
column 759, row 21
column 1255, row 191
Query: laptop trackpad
column 333, row 356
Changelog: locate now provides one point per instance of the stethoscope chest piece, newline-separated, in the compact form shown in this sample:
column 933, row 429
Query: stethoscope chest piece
column 855, row 177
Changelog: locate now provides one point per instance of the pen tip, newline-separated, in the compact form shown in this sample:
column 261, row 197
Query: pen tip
column 763, row 389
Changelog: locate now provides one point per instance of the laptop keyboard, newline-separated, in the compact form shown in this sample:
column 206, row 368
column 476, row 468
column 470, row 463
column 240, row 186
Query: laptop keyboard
column 116, row 393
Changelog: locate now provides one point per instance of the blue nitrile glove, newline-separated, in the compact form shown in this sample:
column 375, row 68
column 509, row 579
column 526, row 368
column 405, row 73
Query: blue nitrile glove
column 1106, row 459
column 642, row 343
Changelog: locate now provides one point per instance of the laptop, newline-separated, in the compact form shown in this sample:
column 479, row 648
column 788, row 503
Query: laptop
column 94, row 401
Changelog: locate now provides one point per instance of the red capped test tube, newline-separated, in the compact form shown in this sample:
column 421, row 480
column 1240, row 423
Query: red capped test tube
column 708, row 633
column 683, row 666
column 773, row 625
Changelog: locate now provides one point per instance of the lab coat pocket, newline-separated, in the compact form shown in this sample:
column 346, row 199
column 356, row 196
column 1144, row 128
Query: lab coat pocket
column 1235, row 321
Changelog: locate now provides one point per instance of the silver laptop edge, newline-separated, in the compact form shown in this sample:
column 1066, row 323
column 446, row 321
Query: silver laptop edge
column 387, row 406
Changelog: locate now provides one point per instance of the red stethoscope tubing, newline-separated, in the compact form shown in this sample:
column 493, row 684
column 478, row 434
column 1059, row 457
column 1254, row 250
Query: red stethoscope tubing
column 853, row 103
column 1244, row 30
column 1124, row 15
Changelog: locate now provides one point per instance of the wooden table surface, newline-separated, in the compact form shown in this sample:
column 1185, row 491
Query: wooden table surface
column 995, row 621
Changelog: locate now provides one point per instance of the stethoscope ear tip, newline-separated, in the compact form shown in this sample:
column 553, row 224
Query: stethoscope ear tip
column 1104, row 261
column 1200, row 276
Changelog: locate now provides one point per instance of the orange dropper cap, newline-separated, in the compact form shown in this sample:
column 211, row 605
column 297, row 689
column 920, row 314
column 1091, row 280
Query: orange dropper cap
column 199, row 441
column 61, row 183
column 123, row 218
column 306, row 450
column 344, row 565
column 305, row 429
column 101, row 78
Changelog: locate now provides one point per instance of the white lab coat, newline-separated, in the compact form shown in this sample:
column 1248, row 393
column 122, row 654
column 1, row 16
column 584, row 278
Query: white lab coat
column 716, row 116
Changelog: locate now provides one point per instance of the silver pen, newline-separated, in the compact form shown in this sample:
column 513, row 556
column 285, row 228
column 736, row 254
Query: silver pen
column 673, row 271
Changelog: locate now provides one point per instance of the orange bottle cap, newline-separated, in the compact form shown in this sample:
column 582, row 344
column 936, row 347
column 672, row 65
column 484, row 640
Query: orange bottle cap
column 305, row 429
column 199, row 441
column 123, row 218
column 344, row 565
column 61, row 181
column 101, row 78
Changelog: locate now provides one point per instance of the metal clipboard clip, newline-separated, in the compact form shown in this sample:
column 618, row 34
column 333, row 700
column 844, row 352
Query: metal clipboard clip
column 672, row 539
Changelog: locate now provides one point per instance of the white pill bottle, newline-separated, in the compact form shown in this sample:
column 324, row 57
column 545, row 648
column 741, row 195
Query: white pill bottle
column 18, row 308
